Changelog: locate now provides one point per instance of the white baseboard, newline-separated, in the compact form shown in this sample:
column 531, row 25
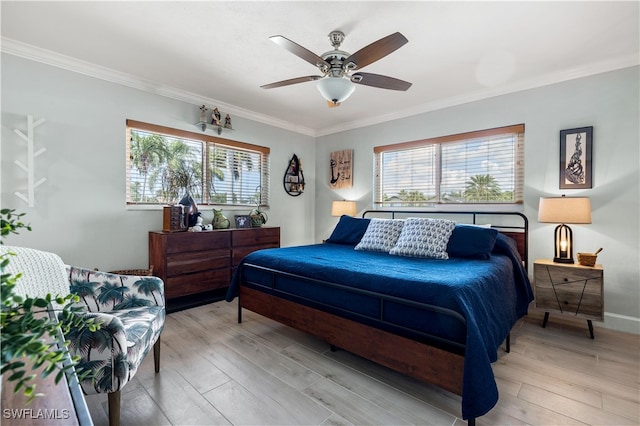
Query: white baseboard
column 611, row 321
column 621, row 323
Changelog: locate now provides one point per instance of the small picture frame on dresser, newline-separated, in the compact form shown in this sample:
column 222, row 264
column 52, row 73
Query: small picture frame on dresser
column 243, row 221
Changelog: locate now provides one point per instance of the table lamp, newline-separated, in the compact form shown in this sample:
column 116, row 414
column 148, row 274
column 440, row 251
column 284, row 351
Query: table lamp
column 564, row 210
column 338, row 208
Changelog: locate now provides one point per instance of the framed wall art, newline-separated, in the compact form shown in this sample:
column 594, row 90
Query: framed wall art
column 341, row 169
column 576, row 146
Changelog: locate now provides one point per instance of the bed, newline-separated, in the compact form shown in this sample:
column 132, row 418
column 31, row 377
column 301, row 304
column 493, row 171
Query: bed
column 437, row 314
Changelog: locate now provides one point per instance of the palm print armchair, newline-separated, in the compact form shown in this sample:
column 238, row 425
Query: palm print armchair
column 129, row 308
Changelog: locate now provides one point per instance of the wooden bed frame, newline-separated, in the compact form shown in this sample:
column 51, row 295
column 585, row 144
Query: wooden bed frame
column 423, row 361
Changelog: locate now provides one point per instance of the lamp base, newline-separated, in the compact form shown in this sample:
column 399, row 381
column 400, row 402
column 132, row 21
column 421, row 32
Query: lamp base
column 563, row 260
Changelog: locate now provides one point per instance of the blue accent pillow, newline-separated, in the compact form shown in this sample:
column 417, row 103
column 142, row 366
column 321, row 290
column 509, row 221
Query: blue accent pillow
column 470, row 241
column 349, row 230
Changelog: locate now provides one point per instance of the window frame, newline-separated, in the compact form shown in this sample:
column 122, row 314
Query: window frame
column 208, row 141
column 438, row 142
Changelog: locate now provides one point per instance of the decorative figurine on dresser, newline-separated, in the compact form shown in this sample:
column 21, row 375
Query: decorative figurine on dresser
column 220, row 221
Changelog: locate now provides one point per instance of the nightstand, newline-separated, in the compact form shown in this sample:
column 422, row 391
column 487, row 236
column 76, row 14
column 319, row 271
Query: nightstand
column 569, row 289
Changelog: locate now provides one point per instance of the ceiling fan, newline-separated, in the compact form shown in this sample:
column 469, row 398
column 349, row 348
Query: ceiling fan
column 337, row 66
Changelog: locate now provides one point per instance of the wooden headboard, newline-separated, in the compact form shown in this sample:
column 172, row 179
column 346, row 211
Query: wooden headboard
column 512, row 224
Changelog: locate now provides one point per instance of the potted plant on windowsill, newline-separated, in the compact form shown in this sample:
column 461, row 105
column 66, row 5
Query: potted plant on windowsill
column 28, row 333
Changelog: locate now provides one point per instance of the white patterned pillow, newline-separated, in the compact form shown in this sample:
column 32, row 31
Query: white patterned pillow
column 381, row 235
column 424, row 237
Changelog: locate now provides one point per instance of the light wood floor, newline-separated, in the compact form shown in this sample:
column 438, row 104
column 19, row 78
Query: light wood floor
column 215, row 371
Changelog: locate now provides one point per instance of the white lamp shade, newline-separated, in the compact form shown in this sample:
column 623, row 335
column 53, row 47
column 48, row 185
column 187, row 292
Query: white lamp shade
column 335, row 89
column 564, row 210
column 338, row 208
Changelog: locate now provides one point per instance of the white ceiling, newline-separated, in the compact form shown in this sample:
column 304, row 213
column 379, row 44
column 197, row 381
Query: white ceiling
column 219, row 53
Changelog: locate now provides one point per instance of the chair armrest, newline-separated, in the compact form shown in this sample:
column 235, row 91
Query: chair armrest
column 100, row 351
column 103, row 292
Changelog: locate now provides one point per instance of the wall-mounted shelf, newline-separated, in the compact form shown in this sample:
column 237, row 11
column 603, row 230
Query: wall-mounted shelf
column 204, row 126
column 293, row 180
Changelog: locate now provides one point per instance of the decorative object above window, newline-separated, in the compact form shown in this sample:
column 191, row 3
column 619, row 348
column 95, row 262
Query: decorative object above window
column 293, row 180
column 214, row 120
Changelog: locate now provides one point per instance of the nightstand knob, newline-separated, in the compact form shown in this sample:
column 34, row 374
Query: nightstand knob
column 566, row 303
column 566, row 280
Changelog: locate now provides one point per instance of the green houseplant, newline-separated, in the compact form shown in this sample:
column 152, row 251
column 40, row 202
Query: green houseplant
column 28, row 334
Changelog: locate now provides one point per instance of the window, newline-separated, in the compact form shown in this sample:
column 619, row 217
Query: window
column 163, row 164
column 482, row 167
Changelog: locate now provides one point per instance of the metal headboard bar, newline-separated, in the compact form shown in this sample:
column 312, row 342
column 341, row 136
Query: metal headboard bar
column 524, row 228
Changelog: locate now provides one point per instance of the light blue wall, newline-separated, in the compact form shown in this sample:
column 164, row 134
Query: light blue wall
column 608, row 102
column 80, row 211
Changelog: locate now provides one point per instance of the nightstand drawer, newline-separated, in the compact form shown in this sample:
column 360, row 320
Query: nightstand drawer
column 569, row 300
column 560, row 275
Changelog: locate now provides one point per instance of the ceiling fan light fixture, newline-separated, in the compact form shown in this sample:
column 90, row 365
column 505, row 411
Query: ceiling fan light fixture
column 335, row 89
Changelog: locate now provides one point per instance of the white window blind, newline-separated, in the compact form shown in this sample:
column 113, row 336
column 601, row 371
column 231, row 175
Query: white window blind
column 484, row 167
column 163, row 164
column 236, row 176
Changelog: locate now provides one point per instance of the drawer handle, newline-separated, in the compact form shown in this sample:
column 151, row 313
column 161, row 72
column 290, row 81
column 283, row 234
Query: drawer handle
column 566, row 279
column 566, row 303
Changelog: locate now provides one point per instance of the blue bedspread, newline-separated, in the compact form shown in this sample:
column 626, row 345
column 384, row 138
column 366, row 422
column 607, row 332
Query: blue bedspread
column 491, row 295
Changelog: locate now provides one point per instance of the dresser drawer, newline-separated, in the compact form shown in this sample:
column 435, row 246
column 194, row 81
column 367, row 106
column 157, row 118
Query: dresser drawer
column 185, row 263
column 256, row 237
column 240, row 253
column 186, row 284
column 181, row 242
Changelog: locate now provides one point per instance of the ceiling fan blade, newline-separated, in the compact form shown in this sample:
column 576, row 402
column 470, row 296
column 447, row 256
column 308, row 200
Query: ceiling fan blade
column 376, row 50
column 300, row 51
column 292, row 81
column 380, row 81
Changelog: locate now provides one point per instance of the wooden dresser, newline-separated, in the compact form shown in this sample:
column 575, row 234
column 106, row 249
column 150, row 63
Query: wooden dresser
column 196, row 267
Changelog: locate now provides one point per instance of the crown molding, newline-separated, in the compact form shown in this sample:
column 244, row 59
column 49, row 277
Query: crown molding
column 34, row 53
column 37, row 54
column 545, row 80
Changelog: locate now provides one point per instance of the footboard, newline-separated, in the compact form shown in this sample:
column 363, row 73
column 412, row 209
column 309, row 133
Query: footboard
column 419, row 360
